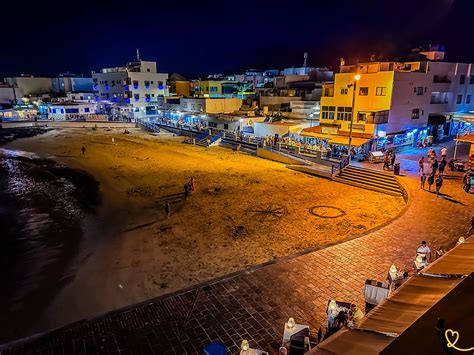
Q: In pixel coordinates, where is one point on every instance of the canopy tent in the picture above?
(404, 307)
(459, 262)
(352, 342)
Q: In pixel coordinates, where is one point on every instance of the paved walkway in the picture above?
(255, 304)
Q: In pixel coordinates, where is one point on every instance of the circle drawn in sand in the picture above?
(269, 212)
(327, 211)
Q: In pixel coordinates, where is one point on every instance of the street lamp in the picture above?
(356, 79)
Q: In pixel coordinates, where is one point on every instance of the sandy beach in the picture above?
(245, 211)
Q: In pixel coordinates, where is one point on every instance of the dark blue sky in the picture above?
(200, 37)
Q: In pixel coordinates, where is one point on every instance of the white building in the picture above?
(71, 110)
(134, 89)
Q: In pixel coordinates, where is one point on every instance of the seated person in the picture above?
(341, 320)
(355, 314)
(423, 250)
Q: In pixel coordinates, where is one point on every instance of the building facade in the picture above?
(400, 102)
(133, 89)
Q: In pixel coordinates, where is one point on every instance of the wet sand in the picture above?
(245, 211)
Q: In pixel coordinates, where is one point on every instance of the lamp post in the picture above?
(356, 79)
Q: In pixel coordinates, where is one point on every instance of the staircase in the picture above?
(209, 140)
(370, 179)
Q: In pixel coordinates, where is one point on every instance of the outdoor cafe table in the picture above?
(340, 306)
(287, 333)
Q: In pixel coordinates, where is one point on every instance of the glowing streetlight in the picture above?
(354, 85)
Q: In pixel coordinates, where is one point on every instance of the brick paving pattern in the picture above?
(255, 304)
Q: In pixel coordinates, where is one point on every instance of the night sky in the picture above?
(200, 37)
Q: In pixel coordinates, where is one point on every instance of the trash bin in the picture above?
(396, 168)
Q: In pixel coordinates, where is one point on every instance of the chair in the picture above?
(297, 342)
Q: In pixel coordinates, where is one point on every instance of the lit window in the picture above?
(327, 112)
(380, 91)
(344, 113)
(363, 91)
(415, 113)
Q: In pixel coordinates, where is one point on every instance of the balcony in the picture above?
(441, 79)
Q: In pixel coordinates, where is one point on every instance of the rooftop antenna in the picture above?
(305, 56)
(138, 54)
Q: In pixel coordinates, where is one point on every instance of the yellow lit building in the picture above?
(372, 102)
(182, 88)
(207, 88)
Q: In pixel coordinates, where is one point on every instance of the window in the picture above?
(136, 97)
(415, 113)
(213, 124)
(193, 106)
(160, 85)
(471, 79)
(226, 126)
(380, 91)
(86, 109)
(344, 91)
(147, 84)
(344, 113)
(148, 69)
(419, 90)
(327, 112)
(462, 79)
(438, 97)
(459, 99)
(468, 99)
(363, 91)
(328, 91)
(135, 84)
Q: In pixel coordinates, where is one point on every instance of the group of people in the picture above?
(435, 176)
(343, 319)
(389, 159)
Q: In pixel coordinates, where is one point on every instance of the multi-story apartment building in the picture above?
(133, 89)
(398, 103)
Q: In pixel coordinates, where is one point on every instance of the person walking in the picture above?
(444, 152)
(430, 181)
(167, 209)
(186, 191)
(442, 166)
(83, 151)
(421, 165)
(392, 159)
(466, 180)
(439, 183)
(423, 180)
(434, 167)
(386, 162)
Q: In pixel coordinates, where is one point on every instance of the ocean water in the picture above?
(42, 205)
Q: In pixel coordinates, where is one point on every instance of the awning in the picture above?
(468, 138)
(343, 140)
(317, 135)
(351, 341)
(459, 262)
(404, 307)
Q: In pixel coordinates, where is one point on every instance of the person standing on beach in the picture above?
(192, 183)
(113, 140)
(186, 191)
(167, 209)
(83, 151)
